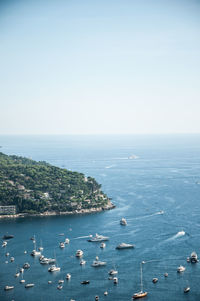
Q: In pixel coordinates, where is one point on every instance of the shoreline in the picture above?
(109, 206)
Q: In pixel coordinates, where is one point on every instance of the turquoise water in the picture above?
(164, 176)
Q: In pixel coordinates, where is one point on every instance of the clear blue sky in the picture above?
(96, 67)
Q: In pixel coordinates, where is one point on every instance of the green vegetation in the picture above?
(37, 187)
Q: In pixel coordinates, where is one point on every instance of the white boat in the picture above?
(105, 293)
(115, 280)
(123, 222)
(28, 285)
(53, 268)
(113, 272)
(102, 245)
(60, 281)
(186, 289)
(7, 254)
(12, 259)
(67, 240)
(82, 262)
(98, 263)
(123, 245)
(21, 270)
(79, 253)
(59, 287)
(22, 281)
(68, 276)
(154, 280)
(17, 274)
(62, 245)
(8, 287)
(35, 253)
(140, 294)
(180, 269)
(4, 244)
(26, 265)
(98, 238)
(193, 257)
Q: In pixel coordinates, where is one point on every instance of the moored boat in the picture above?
(186, 289)
(8, 287)
(123, 222)
(140, 294)
(123, 245)
(28, 285)
(180, 269)
(98, 238)
(193, 257)
(79, 253)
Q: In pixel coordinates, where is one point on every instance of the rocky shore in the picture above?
(109, 206)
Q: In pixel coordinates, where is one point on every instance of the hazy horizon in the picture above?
(99, 67)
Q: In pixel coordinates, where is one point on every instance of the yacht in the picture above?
(102, 245)
(140, 294)
(28, 285)
(98, 238)
(193, 257)
(98, 263)
(113, 272)
(21, 270)
(123, 222)
(79, 253)
(7, 254)
(8, 287)
(180, 269)
(123, 245)
(68, 276)
(53, 268)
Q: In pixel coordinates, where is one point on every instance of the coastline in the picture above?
(109, 206)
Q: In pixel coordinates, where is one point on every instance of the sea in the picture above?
(154, 181)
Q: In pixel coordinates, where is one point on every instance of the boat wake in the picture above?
(177, 235)
(83, 236)
(110, 166)
(147, 216)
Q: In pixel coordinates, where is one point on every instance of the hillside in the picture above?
(38, 187)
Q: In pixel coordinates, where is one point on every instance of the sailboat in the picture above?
(140, 294)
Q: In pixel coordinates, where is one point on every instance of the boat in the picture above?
(25, 252)
(105, 293)
(123, 222)
(4, 244)
(102, 245)
(193, 257)
(96, 298)
(115, 280)
(98, 238)
(186, 289)
(62, 245)
(60, 281)
(82, 262)
(68, 276)
(123, 245)
(49, 282)
(35, 253)
(67, 240)
(17, 274)
(26, 265)
(113, 272)
(98, 263)
(8, 287)
(28, 285)
(7, 254)
(22, 281)
(166, 274)
(85, 282)
(59, 287)
(21, 270)
(79, 253)
(7, 236)
(154, 280)
(12, 259)
(180, 269)
(140, 294)
(53, 268)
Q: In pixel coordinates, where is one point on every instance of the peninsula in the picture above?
(38, 188)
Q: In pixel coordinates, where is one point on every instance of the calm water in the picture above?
(165, 176)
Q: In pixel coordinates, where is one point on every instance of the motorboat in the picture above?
(53, 268)
(123, 222)
(21, 270)
(49, 282)
(166, 274)
(115, 280)
(85, 282)
(96, 298)
(59, 287)
(12, 259)
(68, 276)
(35, 253)
(60, 281)
(28, 285)
(140, 294)
(26, 265)
(113, 272)
(79, 253)
(180, 269)
(98, 263)
(62, 245)
(82, 262)
(22, 281)
(154, 280)
(193, 257)
(98, 238)
(102, 245)
(17, 274)
(4, 244)
(8, 287)
(67, 240)
(7, 254)
(123, 245)
(105, 293)
(186, 289)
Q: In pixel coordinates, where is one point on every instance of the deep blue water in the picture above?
(165, 176)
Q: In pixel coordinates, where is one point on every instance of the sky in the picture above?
(99, 66)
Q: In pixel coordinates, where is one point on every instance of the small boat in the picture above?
(193, 257)
(102, 245)
(82, 262)
(28, 285)
(7, 236)
(67, 240)
(140, 294)
(49, 282)
(8, 287)
(154, 280)
(12, 259)
(21, 270)
(26, 265)
(53, 268)
(96, 298)
(98, 263)
(25, 252)
(85, 282)
(166, 274)
(59, 287)
(40, 248)
(115, 280)
(123, 222)
(180, 269)
(105, 293)
(113, 272)
(79, 253)
(62, 245)
(4, 244)
(7, 254)
(60, 281)
(98, 238)
(123, 245)
(186, 289)
(68, 276)
(22, 281)
(17, 274)
(35, 253)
